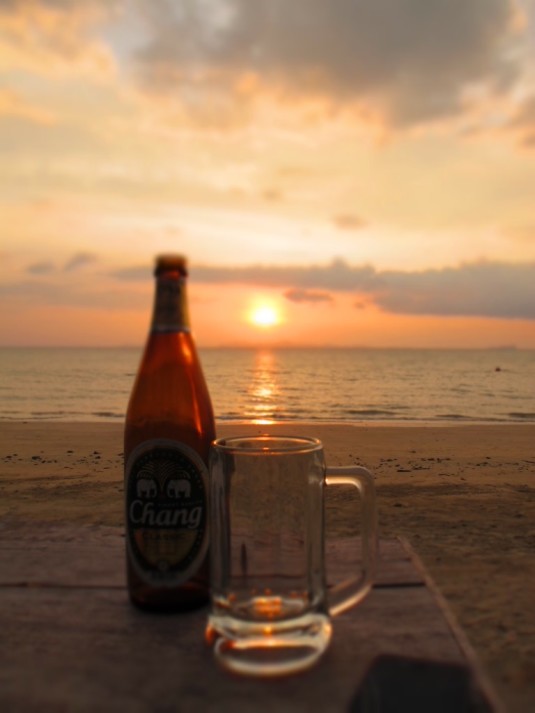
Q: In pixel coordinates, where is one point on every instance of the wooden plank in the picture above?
(72, 641)
(79, 649)
(85, 555)
(63, 555)
(468, 652)
(395, 566)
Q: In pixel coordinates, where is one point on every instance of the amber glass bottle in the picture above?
(168, 431)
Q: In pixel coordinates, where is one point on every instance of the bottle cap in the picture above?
(171, 263)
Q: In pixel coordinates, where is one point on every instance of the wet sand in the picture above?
(464, 496)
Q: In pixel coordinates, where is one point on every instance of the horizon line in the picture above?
(283, 347)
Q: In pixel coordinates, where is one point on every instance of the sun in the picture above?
(264, 316)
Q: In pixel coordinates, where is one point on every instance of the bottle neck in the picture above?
(170, 305)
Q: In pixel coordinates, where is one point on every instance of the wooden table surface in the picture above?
(70, 640)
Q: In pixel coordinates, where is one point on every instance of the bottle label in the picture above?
(170, 313)
(166, 513)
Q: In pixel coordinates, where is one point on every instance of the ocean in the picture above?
(352, 385)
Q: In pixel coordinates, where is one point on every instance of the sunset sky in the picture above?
(362, 170)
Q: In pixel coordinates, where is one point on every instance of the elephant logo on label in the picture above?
(178, 488)
(146, 488)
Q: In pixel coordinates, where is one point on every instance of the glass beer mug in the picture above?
(270, 608)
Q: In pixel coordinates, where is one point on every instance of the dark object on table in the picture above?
(396, 684)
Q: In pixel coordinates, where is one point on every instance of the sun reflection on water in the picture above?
(264, 389)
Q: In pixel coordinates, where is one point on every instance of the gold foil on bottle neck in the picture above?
(171, 263)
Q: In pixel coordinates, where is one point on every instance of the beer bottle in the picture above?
(168, 430)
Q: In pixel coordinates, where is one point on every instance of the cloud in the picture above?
(13, 104)
(338, 275)
(272, 195)
(523, 122)
(23, 136)
(348, 221)
(313, 296)
(51, 36)
(485, 289)
(481, 289)
(521, 233)
(79, 261)
(131, 274)
(76, 262)
(398, 63)
(85, 295)
(406, 61)
(41, 268)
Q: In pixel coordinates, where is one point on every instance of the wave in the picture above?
(108, 414)
(371, 413)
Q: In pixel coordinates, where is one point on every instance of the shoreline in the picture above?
(462, 494)
(402, 422)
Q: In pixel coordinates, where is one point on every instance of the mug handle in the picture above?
(350, 592)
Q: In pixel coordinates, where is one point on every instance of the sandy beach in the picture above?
(464, 496)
